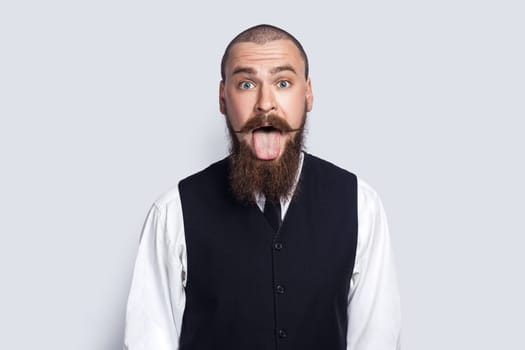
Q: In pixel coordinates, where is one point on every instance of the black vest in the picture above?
(251, 289)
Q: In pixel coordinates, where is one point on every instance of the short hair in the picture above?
(261, 34)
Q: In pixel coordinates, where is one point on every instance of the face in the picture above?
(265, 80)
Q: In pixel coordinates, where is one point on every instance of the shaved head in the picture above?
(261, 34)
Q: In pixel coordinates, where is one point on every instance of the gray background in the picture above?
(105, 105)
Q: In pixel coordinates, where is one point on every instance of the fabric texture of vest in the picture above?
(250, 288)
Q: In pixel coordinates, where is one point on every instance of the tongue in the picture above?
(267, 144)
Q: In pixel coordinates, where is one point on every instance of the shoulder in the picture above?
(327, 167)
(334, 180)
(168, 199)
(367, 196)
(370, 208)
(166, 216)
(166, 213)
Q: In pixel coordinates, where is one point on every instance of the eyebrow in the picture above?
(282, 69)
(246, 70)
(275, 70)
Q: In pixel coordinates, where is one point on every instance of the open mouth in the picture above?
(267, 129)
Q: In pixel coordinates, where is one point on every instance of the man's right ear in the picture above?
(222, 101)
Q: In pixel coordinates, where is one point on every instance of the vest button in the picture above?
(279, 288)
(282, 333)
(278, 245)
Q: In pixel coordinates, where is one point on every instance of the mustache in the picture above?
(266, 121)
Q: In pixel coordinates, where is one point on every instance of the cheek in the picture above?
(238, 110)
(294, 108)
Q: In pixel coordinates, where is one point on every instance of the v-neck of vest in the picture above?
(292, 202)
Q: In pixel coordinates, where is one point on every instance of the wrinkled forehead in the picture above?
(266, 56)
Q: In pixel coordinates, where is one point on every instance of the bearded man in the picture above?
(271, 247)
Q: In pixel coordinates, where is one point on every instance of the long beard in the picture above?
(273, 178)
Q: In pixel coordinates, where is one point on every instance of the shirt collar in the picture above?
(260, 199)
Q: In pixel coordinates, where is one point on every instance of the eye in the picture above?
(246, 85)
(283, 84)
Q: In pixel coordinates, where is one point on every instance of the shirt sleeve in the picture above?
(374, 310)
(156, 300)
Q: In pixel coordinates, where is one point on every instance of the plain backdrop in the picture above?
(105, 105)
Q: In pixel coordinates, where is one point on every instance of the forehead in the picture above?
(267, 55)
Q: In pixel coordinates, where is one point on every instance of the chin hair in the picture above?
(249, 175)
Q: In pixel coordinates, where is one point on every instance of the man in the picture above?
(271, 247)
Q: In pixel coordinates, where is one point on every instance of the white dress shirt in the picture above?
(157, 299)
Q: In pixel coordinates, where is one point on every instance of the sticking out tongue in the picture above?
(266, 143)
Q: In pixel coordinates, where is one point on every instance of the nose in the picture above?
(265, 101)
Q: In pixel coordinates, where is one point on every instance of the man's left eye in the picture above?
(283, 83)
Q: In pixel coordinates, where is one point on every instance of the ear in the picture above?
(222, 100)
(309, 95)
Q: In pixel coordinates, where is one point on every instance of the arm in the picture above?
(374, 311)
(156, 300)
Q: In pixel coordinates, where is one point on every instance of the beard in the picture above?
(275, 178)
